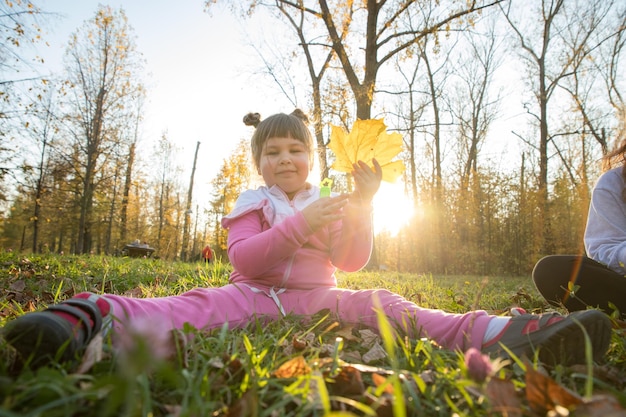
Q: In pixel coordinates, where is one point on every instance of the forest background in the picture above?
(490, 193)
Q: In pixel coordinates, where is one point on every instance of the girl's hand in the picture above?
(366, 181)
(325, 211)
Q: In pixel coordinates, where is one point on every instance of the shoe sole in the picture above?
(40, 338)
(564, 342)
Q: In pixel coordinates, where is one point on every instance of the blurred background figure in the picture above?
(207, 254)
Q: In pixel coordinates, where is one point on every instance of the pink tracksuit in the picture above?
(281, 266)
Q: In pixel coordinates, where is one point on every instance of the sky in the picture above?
(200, 77)
(198, 89)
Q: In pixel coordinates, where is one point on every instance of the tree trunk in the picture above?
(187, 219)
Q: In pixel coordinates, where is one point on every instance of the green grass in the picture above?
(292, 367)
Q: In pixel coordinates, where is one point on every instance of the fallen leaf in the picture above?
(347, 382)
(503, 398)
(93, 354)
(299, 344)
(346, 333)
(246, 406)
(136, 292)
(383, 404)
(374, 354)
(428, 377)
(327, 350)
(293, 368)
(544, 394)
(369, 337)
(18, 286)
(600, 406)
(351, 356)
(380, 380)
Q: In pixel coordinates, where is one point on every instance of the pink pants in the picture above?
(239, 304)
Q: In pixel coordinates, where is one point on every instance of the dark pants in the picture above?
(577, 282)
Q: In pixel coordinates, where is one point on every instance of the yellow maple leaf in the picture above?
(367, 140)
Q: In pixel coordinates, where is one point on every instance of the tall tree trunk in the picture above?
(109, 233)
(38, 195)
(126, 194)
(93, 150)
(187, 220)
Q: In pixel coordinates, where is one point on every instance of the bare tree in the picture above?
(475, 110)
(364, 36)
(317, 56)
(233, 178)
(410, 111)
(187, 222)
(19, 31)
(46, 133)
(102, 65)
(385, 35)
(167, 173)
(554, 39)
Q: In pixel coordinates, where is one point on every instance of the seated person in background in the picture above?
(597, 279)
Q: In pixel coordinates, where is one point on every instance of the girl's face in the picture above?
(285, 162)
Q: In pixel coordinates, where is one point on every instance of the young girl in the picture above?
(597, 279)
(285, 243)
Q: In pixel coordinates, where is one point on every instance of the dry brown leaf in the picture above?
(246, 406)
(608, 374)
(544, 394)
(347, 382)
(346, 333)
(600, 406)
(293, 368)
(136, 292)
(299, 344)
(351, 356)
(380, 380)
(327, 350)
(503, 398)
(17, 286)
(374, 354)
(383, 405)
(369, 337)
(428, 377)
(93, 354)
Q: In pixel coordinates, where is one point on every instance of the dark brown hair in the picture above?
(616, 158)
(279, 125)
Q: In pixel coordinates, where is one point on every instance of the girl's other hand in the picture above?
(325, 210)
(366, 181)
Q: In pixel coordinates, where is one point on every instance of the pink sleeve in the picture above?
(253, 249)
(354, 241)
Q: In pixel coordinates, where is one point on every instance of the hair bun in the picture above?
(252, 119)
(300, 115)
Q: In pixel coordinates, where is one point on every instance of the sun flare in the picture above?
(392, 208)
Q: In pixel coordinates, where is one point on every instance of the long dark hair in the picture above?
(616, 158)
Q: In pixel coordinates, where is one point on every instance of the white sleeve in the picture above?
(605, 233)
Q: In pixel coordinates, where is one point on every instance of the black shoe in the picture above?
(43, 337)
(558, 339)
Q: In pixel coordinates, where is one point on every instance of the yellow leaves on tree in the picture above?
(367, 140)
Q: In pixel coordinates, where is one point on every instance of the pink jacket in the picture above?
(271, 244)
